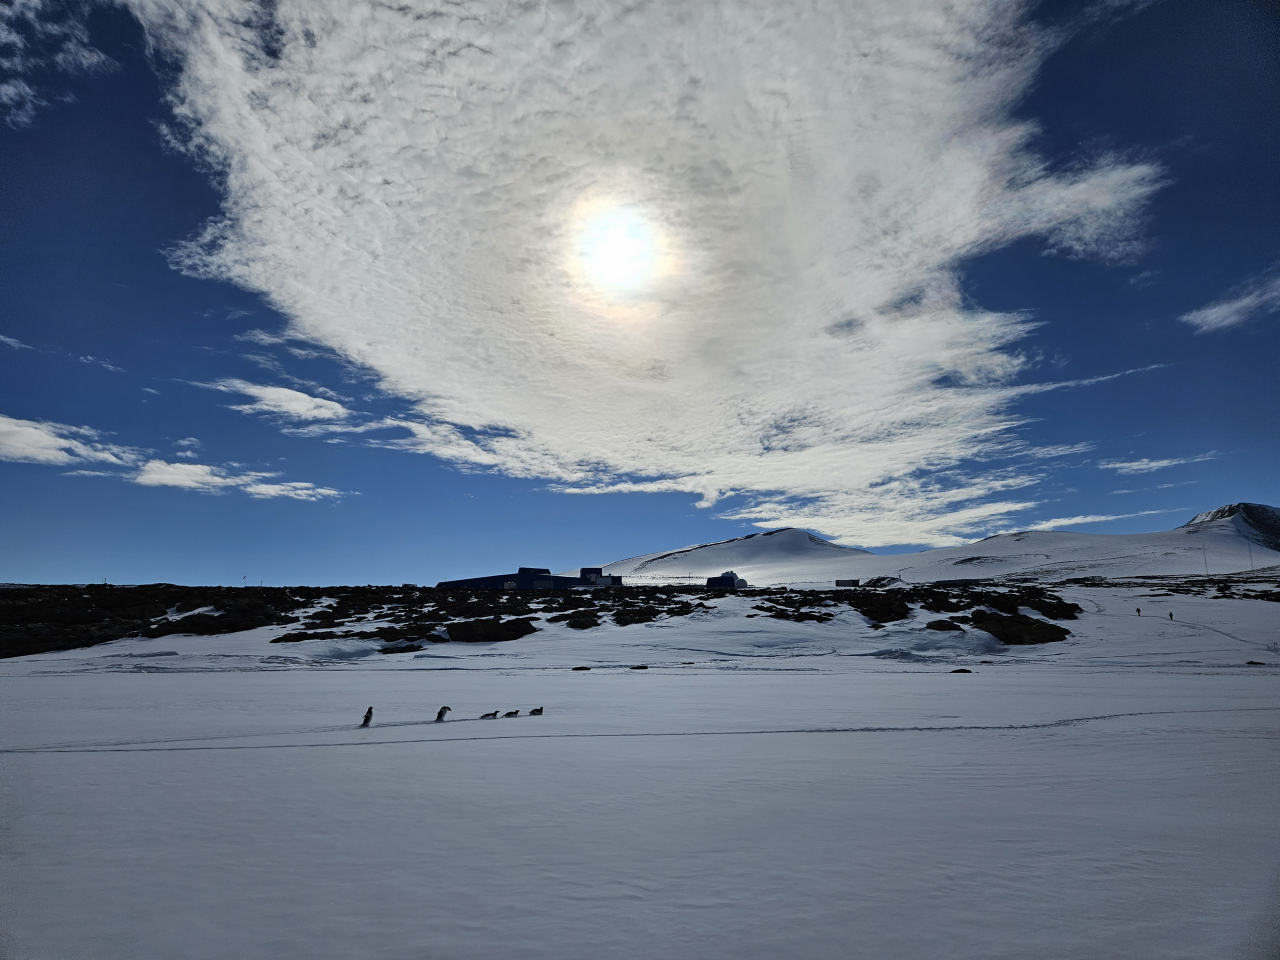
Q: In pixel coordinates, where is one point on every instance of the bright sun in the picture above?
(619, 249)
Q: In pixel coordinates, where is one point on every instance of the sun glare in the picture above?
(619, 250)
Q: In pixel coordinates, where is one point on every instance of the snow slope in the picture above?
(1230, 539)
(776, 556)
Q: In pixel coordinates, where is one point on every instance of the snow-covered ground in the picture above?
(764, 789)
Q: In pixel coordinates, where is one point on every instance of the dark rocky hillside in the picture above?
(35, 619)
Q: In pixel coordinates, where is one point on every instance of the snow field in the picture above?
(645, 815)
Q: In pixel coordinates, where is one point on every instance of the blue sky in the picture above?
(304, 293)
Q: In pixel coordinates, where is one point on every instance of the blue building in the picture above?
(727, 581)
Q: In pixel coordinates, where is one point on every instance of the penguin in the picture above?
(489, 716)
(535, 712)
(1170, 614)
(440, 715)
(1139, 611)
(511, 713)
(368, 715)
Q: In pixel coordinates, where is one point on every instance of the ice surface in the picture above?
(764, 789)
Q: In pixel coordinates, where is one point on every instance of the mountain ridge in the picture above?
(1228, 539)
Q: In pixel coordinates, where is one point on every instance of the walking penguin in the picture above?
(368, 715)
(440, 715)
(535, 712)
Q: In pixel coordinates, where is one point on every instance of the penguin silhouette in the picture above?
(489, 716)
(440, 715)
(512, 713)
(535, 712)
(368, 715)
(1170, 614)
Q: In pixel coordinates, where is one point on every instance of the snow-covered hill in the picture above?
(778, 556)
(1230, 539)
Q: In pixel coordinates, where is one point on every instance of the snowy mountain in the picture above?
(1232, 538)
(778, 556)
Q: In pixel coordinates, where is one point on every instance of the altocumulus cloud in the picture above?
(658, 245)
(57, 444)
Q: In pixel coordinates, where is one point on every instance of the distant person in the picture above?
(368, 715)
(440, 715)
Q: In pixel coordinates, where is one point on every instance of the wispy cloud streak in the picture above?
(57, 444)
(1256, 298)
(1098, 518)
(203, 478)
(39, 441)
(1145, 465)
(281, 402)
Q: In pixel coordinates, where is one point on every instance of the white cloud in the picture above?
(38, 441)
(204, 478)
(260, 337)
(16, 344)
(1257, 297)
(412, 185)
(188, 447)
(291, 490)
(191, 476)
(56, 444)
(1130, 467)
(1097, 518)
(102, 363)
(282, 402)
(41, 34)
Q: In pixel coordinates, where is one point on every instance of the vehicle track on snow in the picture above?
(142, 747)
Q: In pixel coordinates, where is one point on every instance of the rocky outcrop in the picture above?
(489, 631)
(1017, 629)
(1259, 522)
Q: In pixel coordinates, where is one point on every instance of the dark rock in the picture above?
(640, 666)
(882, 609)
(297, 636)
(402, 648)
(576, 620)
(943, 625)
(581, 668)
(1018, 629)
(624, 616)
(962, 670)
(489, 631)
(1254, 663)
